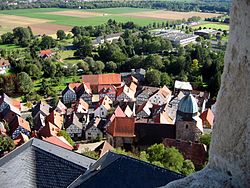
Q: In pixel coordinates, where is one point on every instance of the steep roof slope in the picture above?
(115, 170)
(41, 164)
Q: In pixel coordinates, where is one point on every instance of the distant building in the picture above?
(102, 108)
(18, 126)
(108, 38)
(92, 131)
(207, 119)
(45, 54)
(39, 112)
(185, 87)
(206, 32)
(177, 37)
(74, 127)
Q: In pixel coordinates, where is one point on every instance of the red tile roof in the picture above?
(196, 152)
(45, 52)
(122, 127)
(102, 79)
(74, 85)
(207, 116)
(106, 89)
(49, 130)
(19, 121)
(59, 141)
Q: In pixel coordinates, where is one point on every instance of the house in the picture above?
(160, 115)
(207, 119)
(148, 134)
(206, 32)
(61, 108)
(39, 112)
(127, 107)
(103, 148)
(202, 97)
(107, 90)
(84, 92)
(18, 126)
(55, 118)
(81, 109)
(125, 94)
(196, 152)
(74, 127)
(144, 93)
(116, 170)
(108, 38)
(46, 54)
(121, 132)
(20, 139)
(69, 94)
(188, 123)
(185, 87)
(139, 74)
(172, 106)
(39, 163)
(161, 96)
(59, 141)
(92, 132)
(6, 102)
(103, 107)
(10, 113)
(48, 130)
(144, 110)
(4, 64)
(101, 79)
(118, 112)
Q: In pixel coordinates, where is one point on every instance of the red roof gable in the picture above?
(207, 116)
(59, 141)
(122, 127)
(45, 52)
(106, 89)
(102, 79)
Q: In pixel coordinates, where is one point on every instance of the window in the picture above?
(186, 126)
(89, 133)
(102, 113)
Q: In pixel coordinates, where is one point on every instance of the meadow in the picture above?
(49, 20)
(212, 25)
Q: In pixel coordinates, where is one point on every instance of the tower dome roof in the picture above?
(188, 104)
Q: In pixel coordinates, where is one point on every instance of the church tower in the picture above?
(188, 123)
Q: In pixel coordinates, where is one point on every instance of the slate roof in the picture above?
(41, 164)
(116, 170)
(41, 107)
(188, 104)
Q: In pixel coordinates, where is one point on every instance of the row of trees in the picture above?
(203, 5)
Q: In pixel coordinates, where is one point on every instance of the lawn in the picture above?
(212, 26)
(10, 47)
(67, 57)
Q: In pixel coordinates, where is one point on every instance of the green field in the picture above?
(77, 21)
(213, 26)
(121, 10)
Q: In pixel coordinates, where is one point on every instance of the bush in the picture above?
(67, 137)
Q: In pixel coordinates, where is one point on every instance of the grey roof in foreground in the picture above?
(41, 164)
(115, 170)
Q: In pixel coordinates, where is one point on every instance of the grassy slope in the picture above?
(121, 10)
(212, 25)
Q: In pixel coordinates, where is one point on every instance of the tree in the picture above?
(60, 34)
(24, 82)
(166, 79)
(6, 144)
(84, 47)
(84, 66)
(91, 154)
(33, 71)
(111, 66)
(7, 38)
(206, 139)
(153, 61)
(22, 36)
(153, 77)
(187, 167)
(47, 42)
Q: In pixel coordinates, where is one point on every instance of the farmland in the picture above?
(48, 20)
